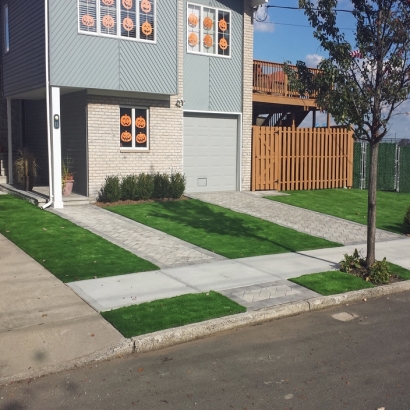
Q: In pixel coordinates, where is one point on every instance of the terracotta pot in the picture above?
(68, 187)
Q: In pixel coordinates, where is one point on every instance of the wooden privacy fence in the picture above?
(301, 158)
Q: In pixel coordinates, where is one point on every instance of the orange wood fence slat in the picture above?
(286, 158)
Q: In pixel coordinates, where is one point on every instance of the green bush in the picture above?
(161, 186)
(129, 187)
(379, 273)
(111, 190)
(177, 185)
(145, 186)
(406, 221)
(350, 262)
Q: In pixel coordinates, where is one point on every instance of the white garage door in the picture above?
(210, 152)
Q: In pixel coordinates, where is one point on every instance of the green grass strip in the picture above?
(68, 251)
(220, 230)
(332, 282)
(402, 273)
(168, 313)
(351, 204)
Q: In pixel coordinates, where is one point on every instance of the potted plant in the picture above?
(67, 176)
(26, 169)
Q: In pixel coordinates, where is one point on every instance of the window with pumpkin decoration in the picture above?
(130, 19)
(208, 30)
(133, 128)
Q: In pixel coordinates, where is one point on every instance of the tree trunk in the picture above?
(371, 206)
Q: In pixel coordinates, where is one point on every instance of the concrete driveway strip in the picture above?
(42, 322)
(302, 220)
(148, 243)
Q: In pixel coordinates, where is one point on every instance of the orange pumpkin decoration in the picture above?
(108, 21)
(193, 20)
(208, 41)
(108, 2)
(208, 23)
(146, 28)
(87, 20)
(223, 44)
(223, 25)
(140, 122)
(128, 24)
(146, 6)
(193, 40)
(125, 120)
(127, 4)
(141, 138)
(126, 136)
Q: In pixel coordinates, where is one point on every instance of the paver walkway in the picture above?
(302, 220)
(148, 243)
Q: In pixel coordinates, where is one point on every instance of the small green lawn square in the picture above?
(168, 313)
(220, 230)
(68, 251)
(331, 282)
(402, 273)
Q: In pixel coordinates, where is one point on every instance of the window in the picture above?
(209, 31)
(6, 29)
(127, 19)
(134, 128)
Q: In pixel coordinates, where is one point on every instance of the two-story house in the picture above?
(129, 86)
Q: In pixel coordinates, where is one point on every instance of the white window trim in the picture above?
(202, 33)
(118, 35)
(6, 28)
(133, 130)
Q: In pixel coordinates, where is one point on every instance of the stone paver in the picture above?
(269, 294)
(302, 220)
(157, 247)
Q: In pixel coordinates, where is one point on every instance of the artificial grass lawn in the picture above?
(69, 252)
(167, 313)
(333, 282)
(351, 204)
(220, 230)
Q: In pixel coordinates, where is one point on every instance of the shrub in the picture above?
(145, 186)
(177, 185)
(350, 262)
(406, 221)
(379, 273)
(111, 190)
(129, 187)
(161, 186)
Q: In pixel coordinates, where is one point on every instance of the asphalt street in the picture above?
(354, 356)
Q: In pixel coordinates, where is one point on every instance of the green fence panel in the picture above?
(357, 164)
(404, 175)
(386, 168)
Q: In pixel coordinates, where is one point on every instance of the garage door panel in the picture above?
(210, 152)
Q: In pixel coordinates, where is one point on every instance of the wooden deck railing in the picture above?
(270, 78)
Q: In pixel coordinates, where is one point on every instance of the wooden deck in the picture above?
(271, 86)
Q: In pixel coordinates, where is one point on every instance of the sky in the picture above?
(287, 36)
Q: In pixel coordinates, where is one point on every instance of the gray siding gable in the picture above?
(213, 83)
(85, 61)
(24, 65)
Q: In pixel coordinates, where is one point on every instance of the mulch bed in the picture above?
(130, 202)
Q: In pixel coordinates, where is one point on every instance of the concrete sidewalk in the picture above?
(255, 282)
(42, 322)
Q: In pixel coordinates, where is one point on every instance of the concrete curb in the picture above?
(172, 337)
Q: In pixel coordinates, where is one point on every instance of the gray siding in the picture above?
(24, 64)
(219, 80)
(74, 138)
(80, 60)
(35, 136)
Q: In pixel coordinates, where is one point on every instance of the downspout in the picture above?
(50, 167)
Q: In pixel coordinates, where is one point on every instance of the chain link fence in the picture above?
(393, 171)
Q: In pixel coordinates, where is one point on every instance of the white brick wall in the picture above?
(247, 97)
(165, 133)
